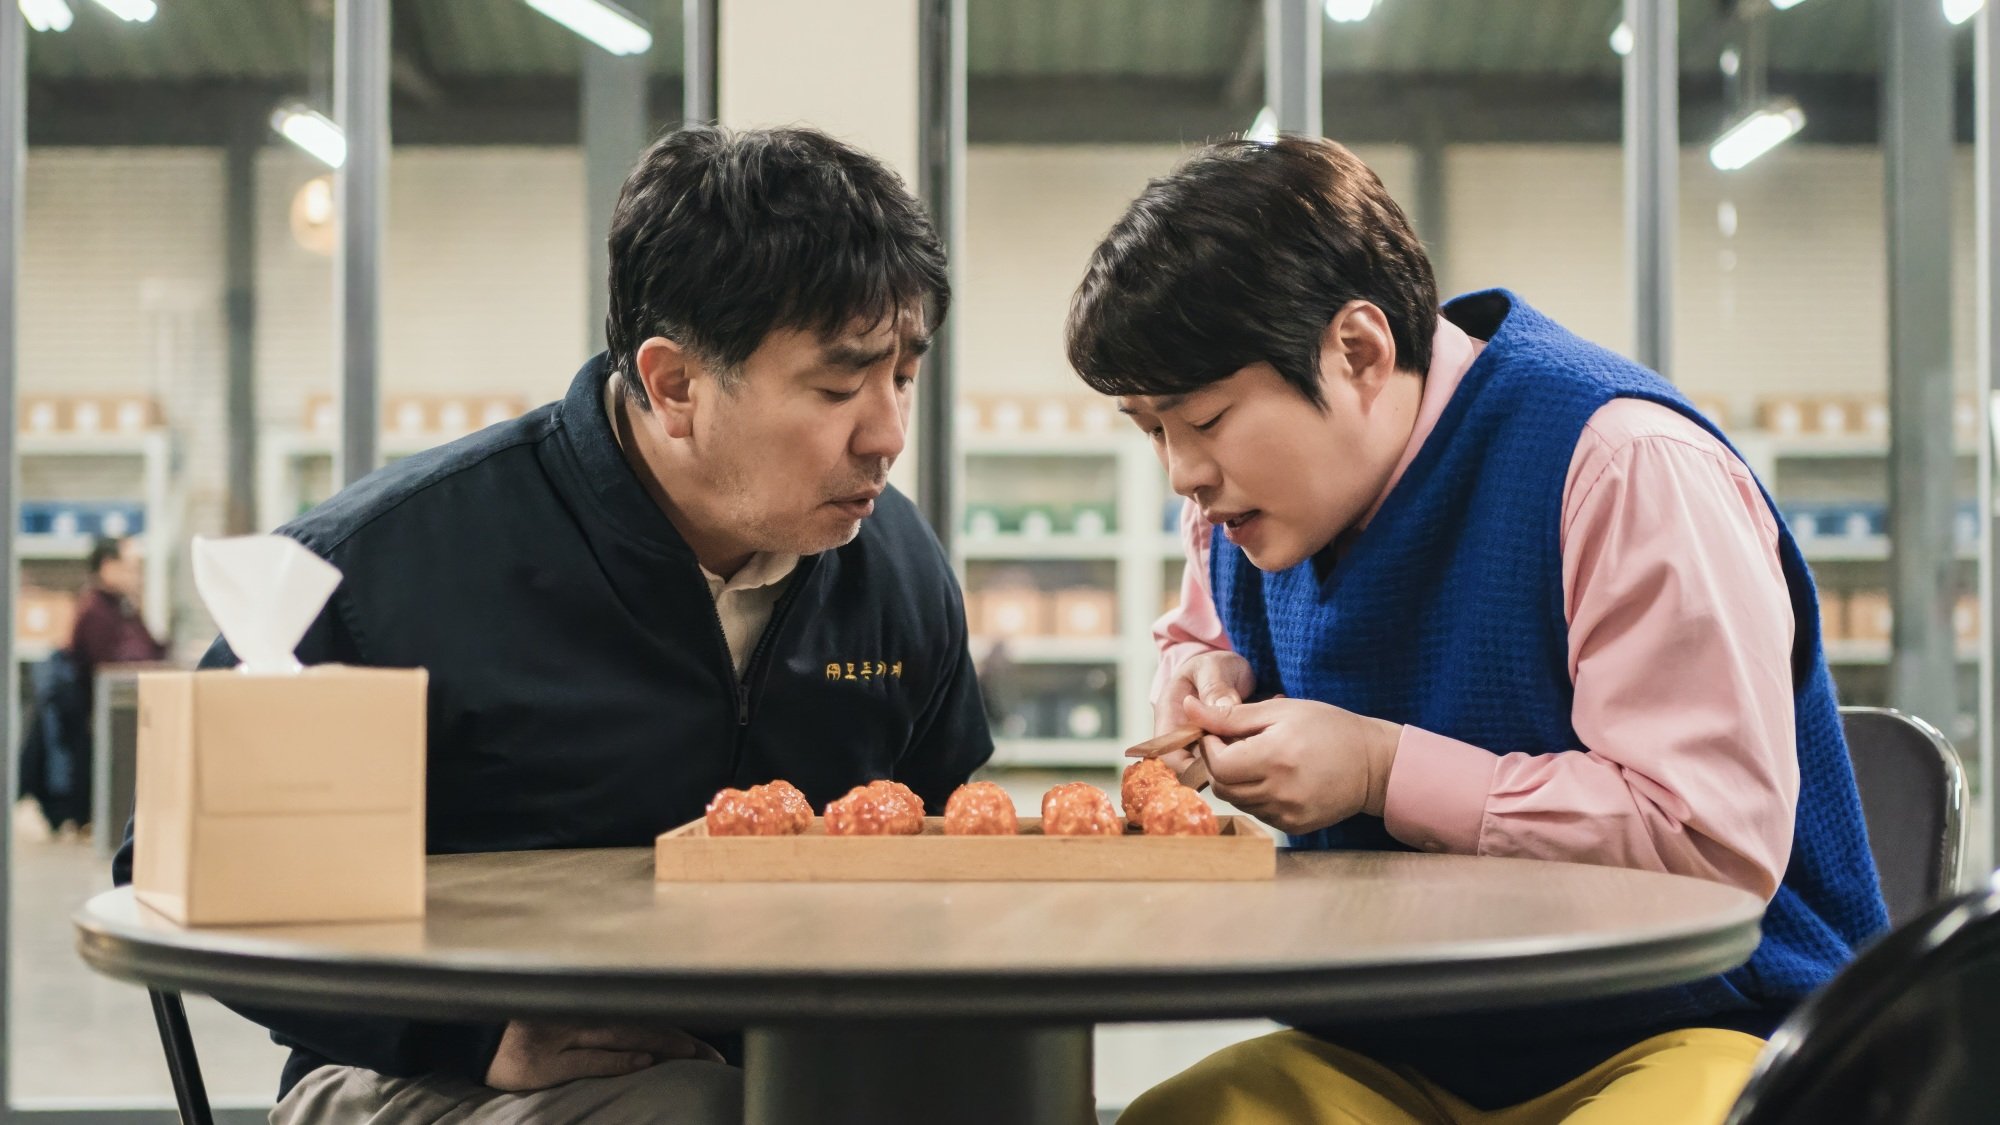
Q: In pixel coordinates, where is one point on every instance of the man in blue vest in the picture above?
(1466, 583)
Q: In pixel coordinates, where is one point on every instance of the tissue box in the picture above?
(281, 798)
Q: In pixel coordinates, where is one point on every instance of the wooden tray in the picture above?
(689, 854)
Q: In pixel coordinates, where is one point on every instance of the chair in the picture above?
(1913, 797)
(182, 1065)
(1907, 1033)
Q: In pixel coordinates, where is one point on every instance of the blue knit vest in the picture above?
(1447, 614)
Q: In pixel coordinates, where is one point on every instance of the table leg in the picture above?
(905, 1073)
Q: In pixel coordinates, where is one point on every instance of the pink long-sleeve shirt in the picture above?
(1680, 635)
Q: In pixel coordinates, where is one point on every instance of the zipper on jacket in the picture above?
(794, 582)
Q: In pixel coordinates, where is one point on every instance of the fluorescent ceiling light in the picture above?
(1781, 5)
(131, 11)
(1756, 135)
(1346, 11)
(1959, 11)
(312, 132)
(1621, 38)
(46, 15)
(1265, 128)
(605, 24)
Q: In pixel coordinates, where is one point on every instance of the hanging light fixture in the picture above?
(47, 15)
(1756, 134)
(605, 24)
(311, 131)
(1349, 11)
(1264, 128)
(131, 11)
(1622, 40)
(1959, 11)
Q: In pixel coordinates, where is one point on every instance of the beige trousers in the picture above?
(685, 1092)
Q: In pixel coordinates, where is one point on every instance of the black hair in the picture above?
(103, 549)
(719, 237)
(1244, 254)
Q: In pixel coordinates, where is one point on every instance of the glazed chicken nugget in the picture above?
(789, 799)
(1079, 808)
(1179, 811)
(980, 808)
(735, 812)
(874, 810)
(1143, 779)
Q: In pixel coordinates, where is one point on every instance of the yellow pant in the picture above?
(1290, 1078)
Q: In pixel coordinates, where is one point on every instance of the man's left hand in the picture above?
(1294, 764)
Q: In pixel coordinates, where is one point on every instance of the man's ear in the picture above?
(1359, 335)
(666, 372)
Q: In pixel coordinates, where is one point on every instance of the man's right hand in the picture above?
(536, 1056)
(1219, 678)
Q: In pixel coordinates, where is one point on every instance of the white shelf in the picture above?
(1060, 546)
(1104, 753)
(90, 445)
(1055, 650)
(1108, 443)
(1853, 653)
(1873, 548)
(31, 652)
(46, 546)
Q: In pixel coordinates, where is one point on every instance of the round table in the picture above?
(967, 1002)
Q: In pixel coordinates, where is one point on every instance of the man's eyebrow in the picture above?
(855, 355)
(859, 357)
(1164, 402)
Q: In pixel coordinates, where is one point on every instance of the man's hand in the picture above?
(536, 1056)
(1295, 764)
(1220, 678)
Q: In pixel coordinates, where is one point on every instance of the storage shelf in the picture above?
(1873, 548)
(1833, 446)
(1054, 650)
(90, 445)
(46, 546)
(1059, 546)
(1877, 652)
(1058, 752)
(1105, 444)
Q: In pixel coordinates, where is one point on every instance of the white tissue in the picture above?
(264, 592)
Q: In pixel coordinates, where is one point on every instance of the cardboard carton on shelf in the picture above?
(1870, 617)
(1085, 611)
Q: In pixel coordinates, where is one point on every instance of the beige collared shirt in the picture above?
(745, 600)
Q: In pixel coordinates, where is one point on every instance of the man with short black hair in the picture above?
(689, 573)
(1466, 583)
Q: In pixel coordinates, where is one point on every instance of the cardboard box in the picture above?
(1869, 616)
(1832, 616)
(1085, 612)
(281, 798)
(44, 618)
(1965, 619)
(1014, 612)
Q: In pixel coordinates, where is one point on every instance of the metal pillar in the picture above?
(1652, 175)
(1923, 564)
(1292, 64)
(698, 68)
(614, 134)
(1986, 146)
(13, 200)
(1430, 209)
(361, 193)
(941, 184)
(239, 224)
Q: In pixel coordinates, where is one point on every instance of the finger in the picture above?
(1236, 720)
(586, 1062)
(1234, 764)
(1212, 685)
